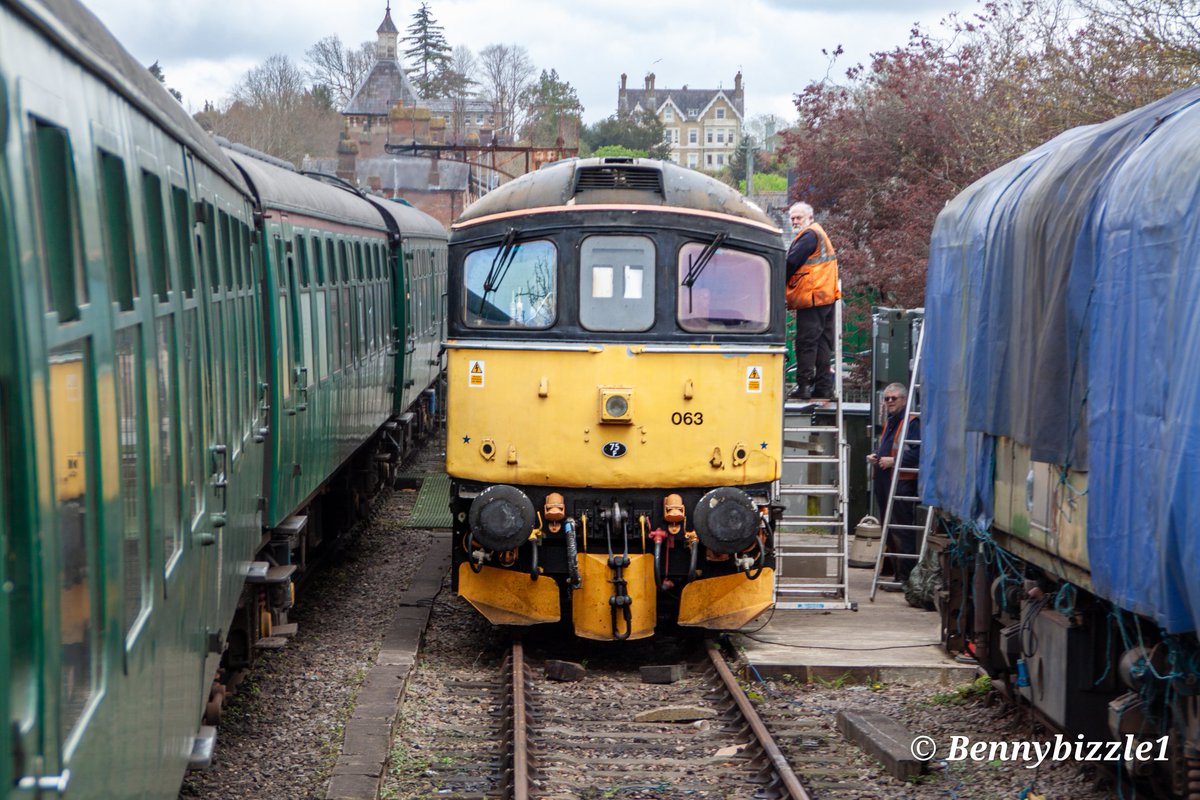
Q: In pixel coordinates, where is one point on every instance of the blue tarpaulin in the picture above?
(1061, 312)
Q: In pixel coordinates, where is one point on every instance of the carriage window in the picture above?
(118, 244)
(167, 469)
(210, 247)
(183, 225)
(130, 403)
(66, 286)
(318, 262)
(729, 294)
(226, 250)
(511, 287)
(70, 370)
(616, 283)
(156, 234)
(301, 248)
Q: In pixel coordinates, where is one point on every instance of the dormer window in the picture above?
(668, 115)
(720, 113)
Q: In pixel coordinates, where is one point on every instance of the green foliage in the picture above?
(554, 112)
(430, 52)
(643, 131)
(765, 182)
(837, 683)
(402, 761)
(155, 70)
(963, 694)
(617, 151)
(880, 152)
(322, 95)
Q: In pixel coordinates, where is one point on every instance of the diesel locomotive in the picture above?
(1061, 434)
(207, 362)
(615, 348)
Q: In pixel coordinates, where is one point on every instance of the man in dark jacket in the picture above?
(883, 458)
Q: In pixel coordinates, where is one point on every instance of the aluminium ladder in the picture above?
(812, 550)
(912, 410)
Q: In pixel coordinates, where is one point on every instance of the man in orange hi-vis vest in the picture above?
(812, 290)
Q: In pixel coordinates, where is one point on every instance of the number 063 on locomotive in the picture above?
(615, 375)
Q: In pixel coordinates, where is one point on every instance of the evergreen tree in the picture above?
(554, 111)
(429, 54)
(157, 72)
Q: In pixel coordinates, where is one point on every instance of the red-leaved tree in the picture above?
(879, 154)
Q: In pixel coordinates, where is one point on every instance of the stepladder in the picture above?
(906, 522)
(811, 537)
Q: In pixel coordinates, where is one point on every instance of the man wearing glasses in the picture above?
(883, 459)
(812, 289)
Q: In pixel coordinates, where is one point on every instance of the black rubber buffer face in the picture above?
(726, 520)
(501, 518)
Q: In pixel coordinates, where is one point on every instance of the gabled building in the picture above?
(388, 108)
(703, 126)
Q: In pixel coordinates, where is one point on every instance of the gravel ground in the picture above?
(280, 735)
(972, 710)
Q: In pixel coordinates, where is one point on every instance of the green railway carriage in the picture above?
(325, 252)
(177, 391)
(418, 283)
(125, 371)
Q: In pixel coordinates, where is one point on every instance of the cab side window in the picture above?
(727, 293)
(511, 286)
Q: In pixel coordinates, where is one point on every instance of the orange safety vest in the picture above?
(815, 283)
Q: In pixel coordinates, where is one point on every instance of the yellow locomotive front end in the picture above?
(615, 394)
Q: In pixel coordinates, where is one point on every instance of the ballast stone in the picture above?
(565, 671)
(663, 673)
(675, 714)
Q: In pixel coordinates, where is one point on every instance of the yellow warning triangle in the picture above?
(753, 374)
(476, 368)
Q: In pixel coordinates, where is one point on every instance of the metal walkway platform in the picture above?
(432, 509)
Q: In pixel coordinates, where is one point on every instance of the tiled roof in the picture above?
(386, 86)
(691, 102)
(387, 26)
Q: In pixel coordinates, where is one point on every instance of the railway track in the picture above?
(506, 730)
(613, 735)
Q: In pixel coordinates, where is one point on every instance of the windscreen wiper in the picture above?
(697, 266)
(500, 264)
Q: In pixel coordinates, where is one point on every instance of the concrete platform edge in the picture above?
(367, 737)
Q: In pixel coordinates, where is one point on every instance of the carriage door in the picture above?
(282, 369)
(299, 332)
(409, 266)
(399, 332)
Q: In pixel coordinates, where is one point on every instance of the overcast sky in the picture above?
(205, 46)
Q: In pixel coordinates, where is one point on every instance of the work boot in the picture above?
(801, 392)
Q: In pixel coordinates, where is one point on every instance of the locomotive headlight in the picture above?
(615, 405)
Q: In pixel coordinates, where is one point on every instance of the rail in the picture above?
(783, 770)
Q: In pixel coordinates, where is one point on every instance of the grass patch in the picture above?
(833, 683)
(970, 692)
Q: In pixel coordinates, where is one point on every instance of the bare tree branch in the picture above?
(341, 69)
(507, 74)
